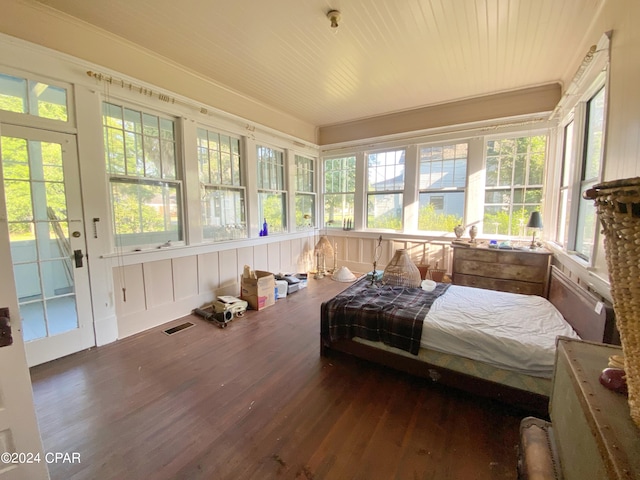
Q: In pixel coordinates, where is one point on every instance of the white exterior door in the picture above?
(18, 425)
(47, 238)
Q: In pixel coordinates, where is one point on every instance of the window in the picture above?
(385, 186)
(271, 189)
(305, 193)
(21, 95)
(339, 188)
(564, 203)
(140, 150)
(443, 177)
(590, 173)
(513, 183)
(223, 196)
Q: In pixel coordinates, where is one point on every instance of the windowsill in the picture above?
(148, 254)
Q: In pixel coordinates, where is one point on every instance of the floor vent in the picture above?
(178, 328)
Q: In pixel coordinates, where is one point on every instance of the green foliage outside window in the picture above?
(429, 219)
(18, 186)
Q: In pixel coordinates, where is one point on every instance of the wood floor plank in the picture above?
(257, 401)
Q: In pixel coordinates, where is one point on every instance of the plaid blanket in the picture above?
(392, 315)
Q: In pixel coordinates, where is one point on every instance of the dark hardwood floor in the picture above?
(256, 401)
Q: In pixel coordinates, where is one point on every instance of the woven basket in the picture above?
(618, 207)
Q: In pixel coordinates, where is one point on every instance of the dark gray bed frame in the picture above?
(578, 306)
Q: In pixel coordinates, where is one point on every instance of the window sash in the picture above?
(305, 210)
(385, 210)
(219, 158)
(305, 174)
(146, 211)
(223, 213)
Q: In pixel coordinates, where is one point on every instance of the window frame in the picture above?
(444, 190)
(129, 179)
(299, 191)
(348, 166)
(579, 163)
(30, 120)
(275, 171)
(239, 230)
(401, 159)
(512, 187)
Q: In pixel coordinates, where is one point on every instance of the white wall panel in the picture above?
(158, 281)
(261, 257)
(208, 274)
(274, 256)
(230, 270)
(133, 299)
(245, 257)
(185, 277)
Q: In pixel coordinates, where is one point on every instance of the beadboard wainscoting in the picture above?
(150, 292)
(356, 250)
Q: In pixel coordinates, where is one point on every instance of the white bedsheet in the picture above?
(506, 330)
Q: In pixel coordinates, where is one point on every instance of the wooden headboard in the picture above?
(580, 308)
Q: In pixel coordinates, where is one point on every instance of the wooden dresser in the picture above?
(516, 271)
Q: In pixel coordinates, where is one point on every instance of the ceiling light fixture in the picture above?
(334, 16)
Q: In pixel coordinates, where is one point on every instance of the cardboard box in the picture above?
(259, 292)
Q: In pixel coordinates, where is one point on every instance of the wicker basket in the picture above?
(618, 207)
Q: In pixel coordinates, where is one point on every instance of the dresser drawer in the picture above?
(513, 286)
(505, 271)
(513, 257)
(516, 271)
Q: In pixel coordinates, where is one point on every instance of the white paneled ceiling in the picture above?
(386, 55)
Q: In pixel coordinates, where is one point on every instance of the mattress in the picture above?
(506, 331)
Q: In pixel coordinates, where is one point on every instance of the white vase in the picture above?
(473, 233)
(459, 231)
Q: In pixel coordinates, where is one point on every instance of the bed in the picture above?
(494, 344)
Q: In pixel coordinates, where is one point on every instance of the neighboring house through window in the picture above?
(442, 181)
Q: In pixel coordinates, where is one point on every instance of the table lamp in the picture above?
(535, 222)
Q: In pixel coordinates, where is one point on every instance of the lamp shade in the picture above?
(324, 246)
(535, 220)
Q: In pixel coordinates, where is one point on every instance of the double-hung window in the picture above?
(305, 195)
(223, 195)
(272, 195)
(339, 191)
(141, 159)
(442, 182)
(514, 176)
(385, 187)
